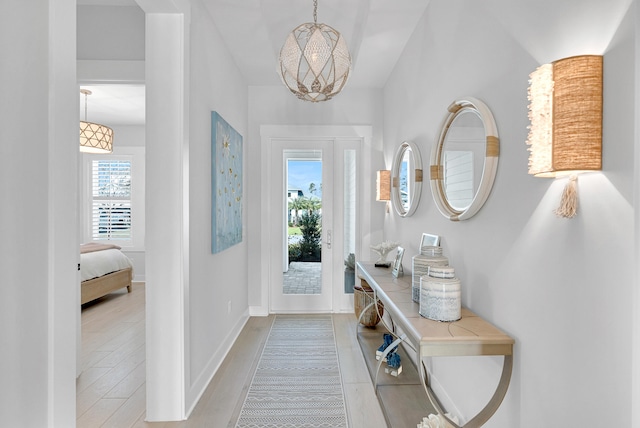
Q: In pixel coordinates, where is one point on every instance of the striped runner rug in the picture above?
(297, 381)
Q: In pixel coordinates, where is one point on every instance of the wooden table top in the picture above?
(471, 335)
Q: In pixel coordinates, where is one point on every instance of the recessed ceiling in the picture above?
(376, 32)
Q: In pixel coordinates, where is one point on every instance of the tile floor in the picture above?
(302, 278)
(111, 391)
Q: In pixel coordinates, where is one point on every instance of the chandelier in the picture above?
(314, 61)
(94, 138)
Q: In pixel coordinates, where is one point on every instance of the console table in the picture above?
(469, 336)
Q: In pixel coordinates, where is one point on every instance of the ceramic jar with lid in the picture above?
(429, 256)
(440, 294)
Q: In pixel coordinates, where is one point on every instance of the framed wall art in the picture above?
(226, 185)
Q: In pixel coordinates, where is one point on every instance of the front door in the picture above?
(301, 244)
(308, 245)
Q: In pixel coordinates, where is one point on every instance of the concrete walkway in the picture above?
(302, 278)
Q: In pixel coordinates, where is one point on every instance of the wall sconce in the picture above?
(565, 114)
(383, 187)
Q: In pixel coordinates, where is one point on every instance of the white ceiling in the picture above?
(113, 104)
(376, 32)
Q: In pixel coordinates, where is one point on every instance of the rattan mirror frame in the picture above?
(415, 174)
(492, 153)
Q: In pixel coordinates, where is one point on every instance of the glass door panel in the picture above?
(302, 272)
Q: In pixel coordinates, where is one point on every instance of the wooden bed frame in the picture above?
(97, 287)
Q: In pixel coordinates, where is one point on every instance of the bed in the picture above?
(103, 269)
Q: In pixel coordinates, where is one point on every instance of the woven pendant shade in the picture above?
(94, 138)
(565, 111)
(314, 61)
(383, 185)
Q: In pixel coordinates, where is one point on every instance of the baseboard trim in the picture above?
(258, 311)
(201, 383)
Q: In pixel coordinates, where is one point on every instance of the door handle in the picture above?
(329, 239)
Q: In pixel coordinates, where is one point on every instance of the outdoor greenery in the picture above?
(305, 216)
(300, 205)
(294, 230)
(350, 262)
(309, 248)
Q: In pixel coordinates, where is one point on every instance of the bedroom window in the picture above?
(111, 200)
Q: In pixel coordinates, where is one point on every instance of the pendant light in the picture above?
(94, 138)
(314, 62)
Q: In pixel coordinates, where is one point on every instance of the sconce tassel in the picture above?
(569, 202)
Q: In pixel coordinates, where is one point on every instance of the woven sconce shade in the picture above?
(565, 112)
(565, 134)
(383, 185)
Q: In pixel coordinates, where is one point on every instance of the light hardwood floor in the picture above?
(111, 388)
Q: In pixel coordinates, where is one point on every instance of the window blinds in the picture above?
(111, 200)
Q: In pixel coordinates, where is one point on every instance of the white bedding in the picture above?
(98, 263)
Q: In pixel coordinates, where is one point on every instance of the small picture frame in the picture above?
(397, 264)
(429, 240)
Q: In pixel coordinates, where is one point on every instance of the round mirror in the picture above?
(406, 179)
(464, 162)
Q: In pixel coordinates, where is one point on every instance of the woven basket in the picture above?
(362, 298)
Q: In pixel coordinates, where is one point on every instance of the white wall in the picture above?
(110, 33)
(562, 288)
(131, 142)
(39, 296)
(129, 136)
(215, 280)
(209, 282)
(635, 298)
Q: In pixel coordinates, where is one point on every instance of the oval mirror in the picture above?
(406, 179)
(465, 160)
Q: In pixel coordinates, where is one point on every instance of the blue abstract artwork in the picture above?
(226, 185)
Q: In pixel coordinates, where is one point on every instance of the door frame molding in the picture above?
(269, 133)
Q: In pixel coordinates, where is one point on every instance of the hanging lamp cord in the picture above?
(85, 92)
(315, 11)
